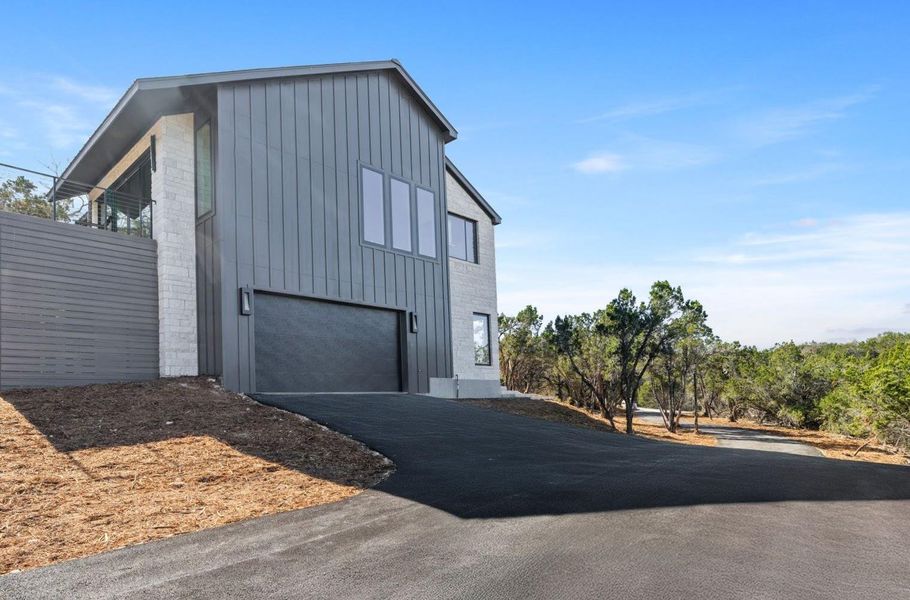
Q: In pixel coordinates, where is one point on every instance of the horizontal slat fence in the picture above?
(77, 305)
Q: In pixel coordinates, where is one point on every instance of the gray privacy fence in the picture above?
(77, 305)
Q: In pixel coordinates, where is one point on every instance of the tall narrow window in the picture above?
(481, 339)
(373, 207)
(462, 238)
(426, 223)
(204, 185)
(401, 215)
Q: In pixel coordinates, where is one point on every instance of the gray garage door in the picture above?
(313, 346)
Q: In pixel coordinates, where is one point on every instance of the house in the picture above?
(312, 235)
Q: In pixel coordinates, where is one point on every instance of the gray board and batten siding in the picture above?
(288, 157)
(77, 305)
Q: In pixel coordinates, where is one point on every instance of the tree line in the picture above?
(661, 351)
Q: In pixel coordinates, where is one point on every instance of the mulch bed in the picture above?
(551, 410)
(88, 469)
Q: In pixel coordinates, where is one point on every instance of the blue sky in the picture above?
(755, 155)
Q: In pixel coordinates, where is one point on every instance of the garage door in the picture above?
(307, 345)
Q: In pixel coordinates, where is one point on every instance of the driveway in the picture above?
(490, 505)
(737, 437)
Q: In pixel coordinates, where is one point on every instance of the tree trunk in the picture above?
(630, 402)
(695, 397)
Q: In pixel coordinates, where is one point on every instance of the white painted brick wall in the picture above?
(174, 227)
(472, 288)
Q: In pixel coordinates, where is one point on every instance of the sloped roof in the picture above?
(151, 97)
(472, 191)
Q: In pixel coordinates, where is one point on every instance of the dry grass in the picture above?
(832, 445)
(83, 470)
(551, 410)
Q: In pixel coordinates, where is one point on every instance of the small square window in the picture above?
(462, 238)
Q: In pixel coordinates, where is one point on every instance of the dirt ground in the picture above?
(88, 469)
(831, 445)
(551, 410)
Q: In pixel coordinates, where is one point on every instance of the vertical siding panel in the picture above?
(260, 184)
(226, 213)
(243, 231)
(412, 338)
(404, 114)
(369, 290)
(414, 118)
(379, 276)
(395, 128)
(317, 187)
(363, 117)
(304, 194)
(275, 184)
(390, 279)
(289, 188)
(385, 133)
(423, 322)
(375, 127)
(353, 151)
(342, 167)
(330, 181)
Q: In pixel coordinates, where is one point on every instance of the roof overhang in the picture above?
(149, 98)
(472, 191)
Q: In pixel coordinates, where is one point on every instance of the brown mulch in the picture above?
(552, 410)
(88, 469)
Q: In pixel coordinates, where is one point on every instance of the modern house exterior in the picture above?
(312, 235)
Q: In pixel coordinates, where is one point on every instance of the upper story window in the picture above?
(393, 213)
(205, 189)
(426, 222)
(401, 214)
(373, 207)
(462, 238)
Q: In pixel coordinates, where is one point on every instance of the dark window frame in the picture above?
(412, 213)
(386, 209)
(413, 187)
(435, 205)
(211, 211)
(489, 346)
(474, 242)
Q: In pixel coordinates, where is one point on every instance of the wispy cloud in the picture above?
(659, 106)
(810, 173)
(601, 162)
(86, 92)
(842, 279)
(644, 153)
(787, 123)
(53, 115)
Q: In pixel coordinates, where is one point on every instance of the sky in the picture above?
(754, 153)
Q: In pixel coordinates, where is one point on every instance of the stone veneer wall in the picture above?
(472, 288)
(174, 229)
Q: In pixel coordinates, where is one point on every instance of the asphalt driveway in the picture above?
(490, 505)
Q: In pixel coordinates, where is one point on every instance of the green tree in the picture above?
(19, 196)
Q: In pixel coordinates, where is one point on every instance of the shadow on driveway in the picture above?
(477, 463)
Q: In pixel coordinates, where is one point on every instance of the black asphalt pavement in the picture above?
(490, 505)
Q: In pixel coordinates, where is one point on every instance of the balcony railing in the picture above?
(47, 196)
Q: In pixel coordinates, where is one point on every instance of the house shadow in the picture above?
(468, 461)
(124, 415)
(477, 463)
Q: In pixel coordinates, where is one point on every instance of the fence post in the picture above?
(54, 198)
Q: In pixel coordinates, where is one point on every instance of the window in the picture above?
(373, 207)
(426, 223)
(401, 215)
(482, 339)
(204, 187)
(462, 238)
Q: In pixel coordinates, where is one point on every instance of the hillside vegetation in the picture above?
(662, 352)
